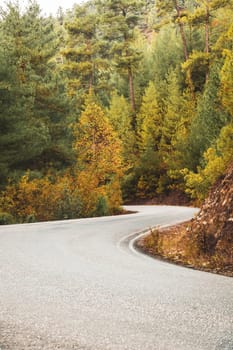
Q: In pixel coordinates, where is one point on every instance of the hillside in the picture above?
(110, 103)
(206, 242)
(213, 227)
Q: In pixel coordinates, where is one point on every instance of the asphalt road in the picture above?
(78, 284)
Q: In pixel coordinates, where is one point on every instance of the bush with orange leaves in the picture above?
(73, 195)
(47, 198)
(91, 188)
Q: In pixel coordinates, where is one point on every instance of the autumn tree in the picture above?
(119, 114)
(226, 74)
(98, 151)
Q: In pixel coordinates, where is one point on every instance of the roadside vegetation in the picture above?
(205, 242)
(112, 102)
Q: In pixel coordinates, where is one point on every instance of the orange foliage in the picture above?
(58, 197)
(35, 199)
(92, 188)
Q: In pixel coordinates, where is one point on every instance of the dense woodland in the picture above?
(113, 100)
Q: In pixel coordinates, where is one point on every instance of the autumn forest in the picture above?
(112, 101)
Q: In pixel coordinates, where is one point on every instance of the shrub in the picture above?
(102, 208)
(6, 218)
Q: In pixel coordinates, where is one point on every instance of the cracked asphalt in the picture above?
(77, 284)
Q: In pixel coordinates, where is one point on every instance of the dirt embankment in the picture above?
(206, 242)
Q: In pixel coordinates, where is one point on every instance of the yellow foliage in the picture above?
(42, 199)
(114, 195)
(88, 190)
(217, 160)
(97, 146)
(226, 90)
(92, 188)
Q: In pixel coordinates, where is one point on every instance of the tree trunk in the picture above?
(185, 49)
(131, 89)
(182, 33)
(207, 43)
(207, 29)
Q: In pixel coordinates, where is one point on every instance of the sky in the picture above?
(51, 6)
(48, 6)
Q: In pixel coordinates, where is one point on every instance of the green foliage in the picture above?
(120, 117)
(226, 89)
(101, 207)
(149, 120)
(162, 74)
(6, 219)
(165, 54)
(149, 133)
(217, 160)
(70, 204)
(209, 120)
(149, 172)
(118, 24)
(196, 68)
(85, 54)
(32, 110)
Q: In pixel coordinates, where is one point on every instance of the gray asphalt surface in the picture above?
(77, 285)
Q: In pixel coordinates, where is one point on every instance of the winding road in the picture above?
(79, 284)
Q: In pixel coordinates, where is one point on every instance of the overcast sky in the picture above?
(51, 6)
(48, 6)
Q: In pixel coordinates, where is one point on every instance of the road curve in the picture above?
(76, 285)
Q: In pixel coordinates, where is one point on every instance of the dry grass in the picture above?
(177, 244)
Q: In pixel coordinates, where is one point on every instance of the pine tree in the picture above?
(149, 122)
(29, 44)
(119, 114)
(23, 137)
(172, 115)
(226, 74)
(198, 64)
(208, 121)
(84, 54)
(176, 10)
(119, 20)
(165, 54)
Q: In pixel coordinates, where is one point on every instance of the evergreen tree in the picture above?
(226, 74)
(197, 66)
(149, 122)
(176, 10)
(165, 55)
(29, 45)
(23, 136)
(172, 115)
(119, 20)
(119, 114)
(50, 103)
(84, 54)
(209, 120)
